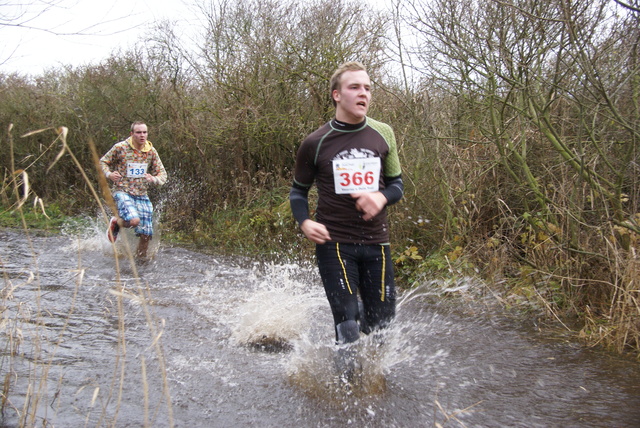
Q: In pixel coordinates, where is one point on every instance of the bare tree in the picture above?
(633, 5)
(28, 16)
(545, 98)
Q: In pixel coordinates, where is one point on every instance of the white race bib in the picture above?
(135, 169)
(356, 175)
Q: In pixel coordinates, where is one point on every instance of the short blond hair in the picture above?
(336, 79)
(136, 123)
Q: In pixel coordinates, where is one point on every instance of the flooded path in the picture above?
(195, 340)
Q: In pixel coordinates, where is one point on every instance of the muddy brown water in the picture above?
(196, 340)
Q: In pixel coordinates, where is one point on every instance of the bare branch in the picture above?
(628, 6)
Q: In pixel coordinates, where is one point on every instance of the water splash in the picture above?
(91, 237)
(271, 319)
(437, 364)
(311, 367)
(279, 310)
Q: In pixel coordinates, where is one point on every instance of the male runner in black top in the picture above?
(354, 162)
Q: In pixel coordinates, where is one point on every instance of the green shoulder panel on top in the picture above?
(392, 162)
(315, 159)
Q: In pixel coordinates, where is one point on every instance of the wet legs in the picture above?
(143, 246)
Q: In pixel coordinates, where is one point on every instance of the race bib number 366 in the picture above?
(136, 169)
(356, 175)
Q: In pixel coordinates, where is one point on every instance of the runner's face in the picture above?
(139, 135)
(353, 97)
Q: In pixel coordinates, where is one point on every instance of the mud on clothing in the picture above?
(358, 258)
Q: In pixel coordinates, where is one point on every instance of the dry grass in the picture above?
(24, 332)
(615, 323)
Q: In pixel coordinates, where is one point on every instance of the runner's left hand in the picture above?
(369, 204)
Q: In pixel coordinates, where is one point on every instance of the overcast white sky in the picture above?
(104, 25)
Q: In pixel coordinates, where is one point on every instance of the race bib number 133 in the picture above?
(356, 175)
(135, 169)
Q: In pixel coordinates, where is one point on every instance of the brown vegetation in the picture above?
(518, 125)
